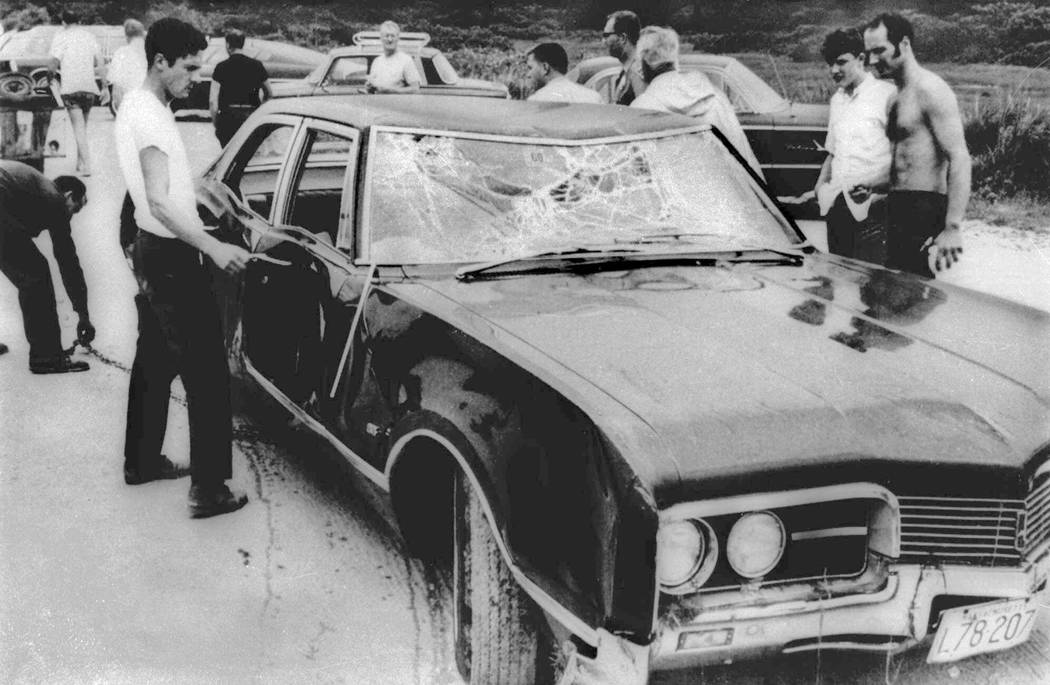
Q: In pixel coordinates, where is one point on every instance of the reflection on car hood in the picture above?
(731, 370)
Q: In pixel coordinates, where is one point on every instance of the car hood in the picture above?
(733, 370)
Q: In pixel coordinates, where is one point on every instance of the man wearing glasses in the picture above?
(621, 36)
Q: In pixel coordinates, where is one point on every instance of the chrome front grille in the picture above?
(1037, 523)
(982, 532)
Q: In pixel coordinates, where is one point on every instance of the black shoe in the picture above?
(3, 348)
(60, 364)
(165, 470)
(205, 502)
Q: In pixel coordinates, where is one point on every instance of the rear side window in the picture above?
(348, 70)
(254, 172)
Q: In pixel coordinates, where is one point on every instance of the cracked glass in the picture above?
(442, 199)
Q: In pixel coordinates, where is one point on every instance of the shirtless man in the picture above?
(930, 173)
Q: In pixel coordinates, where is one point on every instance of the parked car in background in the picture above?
(345, 69)
(29, 52)
(787, 137)
(283, 62)
(600, 373)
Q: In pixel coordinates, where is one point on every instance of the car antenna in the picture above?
(776, 72)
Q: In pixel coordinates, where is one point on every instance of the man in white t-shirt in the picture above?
(76, 54)
(180, 329)
(859, 152)
(547, 64)
(127, 69)
(393, 71)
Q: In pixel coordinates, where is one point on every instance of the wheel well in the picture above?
(421, 487)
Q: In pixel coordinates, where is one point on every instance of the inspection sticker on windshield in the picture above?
(981, 628)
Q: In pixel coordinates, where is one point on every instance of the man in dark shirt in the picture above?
(235, 86)
(29, 204)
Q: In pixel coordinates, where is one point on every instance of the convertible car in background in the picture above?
(346, 68)
(604, 378)
(787, 137)
(283, 62)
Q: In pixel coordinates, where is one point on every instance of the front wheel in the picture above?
(496, 636)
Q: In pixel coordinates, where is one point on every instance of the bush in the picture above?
(1009, 143)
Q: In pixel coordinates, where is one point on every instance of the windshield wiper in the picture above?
(467, 273)
(579, 258)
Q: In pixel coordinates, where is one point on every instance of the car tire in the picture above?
(496, 628)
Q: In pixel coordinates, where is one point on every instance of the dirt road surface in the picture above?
(105, 583)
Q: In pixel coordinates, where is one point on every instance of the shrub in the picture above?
(1009, 142)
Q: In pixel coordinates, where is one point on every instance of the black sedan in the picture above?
(787, 137)
(603, 378)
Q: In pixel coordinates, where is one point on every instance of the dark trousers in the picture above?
(915, 216)
(27, 268)
(864, 240)
(228, 122)
(180, 334)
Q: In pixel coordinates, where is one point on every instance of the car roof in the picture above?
(554, 120)
(375, 50)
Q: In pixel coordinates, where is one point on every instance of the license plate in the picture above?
(981, 628)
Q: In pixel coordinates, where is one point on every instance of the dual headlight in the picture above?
(687, 551)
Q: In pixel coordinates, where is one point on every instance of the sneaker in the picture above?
(212, 501)
(61, 364)
(165, 470)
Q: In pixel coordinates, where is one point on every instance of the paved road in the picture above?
(100, 582)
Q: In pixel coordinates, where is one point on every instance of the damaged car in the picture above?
(604, 379)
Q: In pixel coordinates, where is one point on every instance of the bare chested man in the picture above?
(930, 174)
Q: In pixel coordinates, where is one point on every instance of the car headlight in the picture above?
(755, 544)
(686, 552)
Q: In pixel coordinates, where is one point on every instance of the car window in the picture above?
(253, 174)
(443, 71)
(316, 196)
(604, 84)
(436, 198)
(347, 70)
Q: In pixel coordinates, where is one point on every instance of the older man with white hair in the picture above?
(393, 71)
(691, 94)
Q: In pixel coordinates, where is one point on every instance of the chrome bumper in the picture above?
(895, 617)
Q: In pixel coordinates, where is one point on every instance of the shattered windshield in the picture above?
(439, 199)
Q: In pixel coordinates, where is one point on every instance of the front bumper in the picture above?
(892, 618)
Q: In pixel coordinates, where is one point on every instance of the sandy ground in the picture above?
(105, 583)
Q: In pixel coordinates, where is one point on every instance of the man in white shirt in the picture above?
(393, 71)
(75, 54)
(859, 152)
(180, 329)
(691, 94)
(547, 64)
(127, 69)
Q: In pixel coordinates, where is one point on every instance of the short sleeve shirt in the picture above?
(127, 69)
(76, 50)
(396, 71)
(564, 90)
(240, 77)
(857, 131)
(143, 121)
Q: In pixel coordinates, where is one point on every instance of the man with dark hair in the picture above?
(76, 54)
(180, 331)
(858, 152)
(235, 87)
(547, 64)
(930, 172)
(620, 34)
(29, 205)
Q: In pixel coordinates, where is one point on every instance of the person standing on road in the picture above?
(547, 64)
(127, 69)
(930, 171)
(75, 54)
(858, 152)
(692, 94)
(620, 34)
(235, 87)
(180, 331)
(393, 71)
(30, 203)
